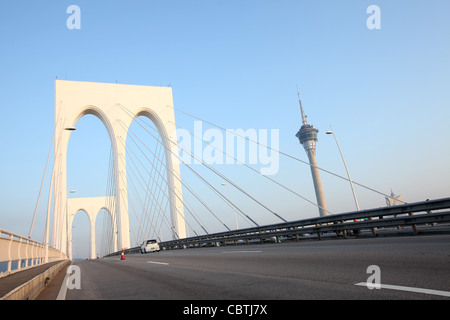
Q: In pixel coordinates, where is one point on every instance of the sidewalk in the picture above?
(15, 280)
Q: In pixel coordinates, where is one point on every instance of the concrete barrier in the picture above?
(31, 289)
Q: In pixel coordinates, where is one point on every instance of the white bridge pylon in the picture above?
(116, 105)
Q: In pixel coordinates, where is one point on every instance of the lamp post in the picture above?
(345, 165)
(68, 247)
(234, 211)
(49, 199)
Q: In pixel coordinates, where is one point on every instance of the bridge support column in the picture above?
(123, 234)
(92, 253)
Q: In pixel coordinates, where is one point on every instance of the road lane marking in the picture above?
(63, 290)
(241, 251)
(409, 289)
(156, 262)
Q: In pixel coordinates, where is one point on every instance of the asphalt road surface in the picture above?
(331, 269)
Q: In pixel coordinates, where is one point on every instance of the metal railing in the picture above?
(407, 215)
(18, 253)
(411, 215)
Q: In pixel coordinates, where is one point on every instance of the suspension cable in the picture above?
(204, 180)
(287, 155)
(226, 179)
(249, 167)
(170, 227)
(160, 174)
(181, 181)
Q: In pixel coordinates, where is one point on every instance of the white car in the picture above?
(150, 246)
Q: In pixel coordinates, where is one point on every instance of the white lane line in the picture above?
(241, 251)
(63, 290)
(409, 289)
(156, 262)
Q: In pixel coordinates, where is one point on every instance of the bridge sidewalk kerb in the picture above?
(27, 284)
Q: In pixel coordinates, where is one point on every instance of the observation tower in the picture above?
(308, 137)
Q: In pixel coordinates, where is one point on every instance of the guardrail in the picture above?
(18, 252)
(406, 215)
(412, 215)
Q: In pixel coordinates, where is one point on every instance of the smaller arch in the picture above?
(91, 206)
(79, 237)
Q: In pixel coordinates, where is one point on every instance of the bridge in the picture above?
(158, 189)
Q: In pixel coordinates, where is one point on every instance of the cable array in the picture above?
(108, 232)
(289, 156)
(150, 196)
(148, 188)
(148, 191)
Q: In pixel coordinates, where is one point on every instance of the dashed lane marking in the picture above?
(157, 262)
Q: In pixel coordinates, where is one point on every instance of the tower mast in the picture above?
(301, 108)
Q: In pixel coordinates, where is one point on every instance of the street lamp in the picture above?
(68, 244)
(345, 165)
(49, 198)
(234, 211)
(68, 247)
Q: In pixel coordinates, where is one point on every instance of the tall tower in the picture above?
(308, 137)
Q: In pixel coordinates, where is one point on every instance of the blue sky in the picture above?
(237, 64)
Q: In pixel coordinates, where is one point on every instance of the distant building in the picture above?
(394, 200)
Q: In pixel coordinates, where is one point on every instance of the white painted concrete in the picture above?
(116, 105)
